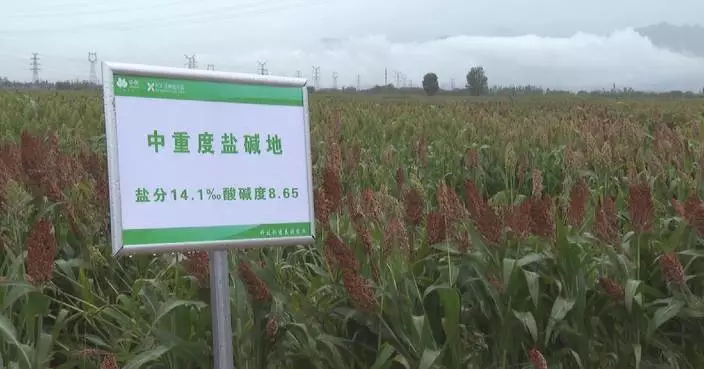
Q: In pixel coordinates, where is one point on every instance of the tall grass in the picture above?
(561, 233)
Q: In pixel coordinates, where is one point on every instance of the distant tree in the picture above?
(477, 82)
(430, 84)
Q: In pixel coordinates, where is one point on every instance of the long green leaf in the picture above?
(559, 310)
(528, 321)
(9, 333)
(166, 307)
(427, 360)
(631, 295)
(383, 358)
(147, 356)
(664, 314)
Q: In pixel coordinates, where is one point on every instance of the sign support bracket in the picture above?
(220, 310)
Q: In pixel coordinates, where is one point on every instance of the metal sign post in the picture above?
(208, 161)
(220, 307)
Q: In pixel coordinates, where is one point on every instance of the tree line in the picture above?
(477, 85)
(477, 82)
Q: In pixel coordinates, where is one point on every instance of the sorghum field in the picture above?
(558, 232)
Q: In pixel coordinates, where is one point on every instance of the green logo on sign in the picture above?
(121, 83)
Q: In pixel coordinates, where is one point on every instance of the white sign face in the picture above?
(206, 160)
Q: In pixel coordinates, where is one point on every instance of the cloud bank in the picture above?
(582, 61)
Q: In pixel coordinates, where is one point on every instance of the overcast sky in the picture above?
(552, 43)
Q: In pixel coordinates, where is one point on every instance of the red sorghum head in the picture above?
(449, 203)
(579, 196)
(360, 292)
(640, 207)
(343, 255)
(109, 361)
(257, 289)
(370, 204)
(332, 187)
(436, 227)
(272, 328)
(484, 217)
(518, 219)
(414, 206)
(537, 359)
(611, 287)
(322, 207)
(395, 237)
(197, 265)
(41, 251)
(672, 269)
(606, 221)
(362, 230)
(542, 219)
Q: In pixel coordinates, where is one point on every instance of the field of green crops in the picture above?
(538, 233)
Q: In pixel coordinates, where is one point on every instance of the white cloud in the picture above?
(582, 61)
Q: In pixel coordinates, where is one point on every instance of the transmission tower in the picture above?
(93, 60)
(34, 63)
(452, 84)
(262, 68)
(211, 66)
(316, 76)
(334, 80)
(191, 62)
(358, 82)
(299, 74)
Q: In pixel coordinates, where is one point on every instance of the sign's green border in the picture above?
(184, 89)
(214, 234)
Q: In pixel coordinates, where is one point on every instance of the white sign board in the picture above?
(206, 160)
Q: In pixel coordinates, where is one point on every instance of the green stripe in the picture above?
(183, 89)
(210, 234)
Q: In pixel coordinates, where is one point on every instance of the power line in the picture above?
(93, 60)
(401, 79)
(316, 76)
(191, 62)
(35, 67)
(262, 68)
